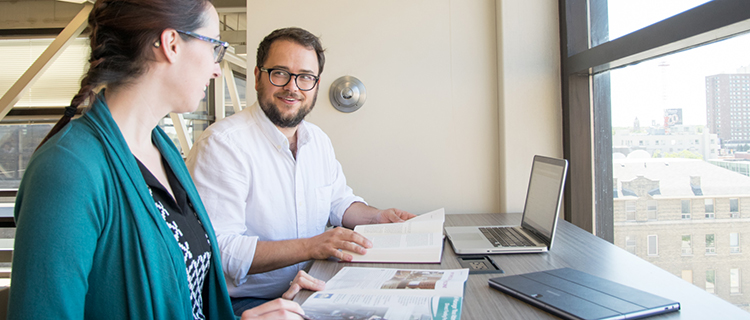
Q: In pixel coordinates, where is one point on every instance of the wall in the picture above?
(452, 116)
(530, 94)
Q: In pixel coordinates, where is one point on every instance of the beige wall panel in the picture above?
(530, 98)
(427, 137)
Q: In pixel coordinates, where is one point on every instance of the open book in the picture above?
(417, 240)
(380, 293)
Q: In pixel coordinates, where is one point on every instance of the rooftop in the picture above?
(674, 175)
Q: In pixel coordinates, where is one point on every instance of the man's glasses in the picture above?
(220, 47)
(280, 78)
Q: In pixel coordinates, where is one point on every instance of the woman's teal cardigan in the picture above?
(91, 244)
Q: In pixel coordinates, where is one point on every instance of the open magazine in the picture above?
(417, 240)
(393, 294)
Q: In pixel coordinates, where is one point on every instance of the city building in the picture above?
(728, 108)
(688, 217)
(657, 143)
(737, 165)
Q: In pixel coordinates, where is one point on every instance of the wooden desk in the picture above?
(574, 248)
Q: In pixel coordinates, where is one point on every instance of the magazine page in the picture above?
(409, 240)
(416, 281)
(340, 306)
(430, 226)
(383, 293)
(431, 222)
(417, 240)
(438, 214)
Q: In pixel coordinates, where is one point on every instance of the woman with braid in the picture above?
(109, 224)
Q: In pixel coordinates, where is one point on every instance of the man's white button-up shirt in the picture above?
(255, 190)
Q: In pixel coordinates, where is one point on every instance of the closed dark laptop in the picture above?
(572, 294)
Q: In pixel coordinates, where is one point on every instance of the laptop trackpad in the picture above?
(472, 236)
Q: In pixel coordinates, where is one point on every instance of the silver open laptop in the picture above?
(540, 213)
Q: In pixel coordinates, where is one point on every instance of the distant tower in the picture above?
(636, 125)
(728, 105)
(664, 97)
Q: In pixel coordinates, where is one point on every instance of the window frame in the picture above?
(735, 277)
(711, 272)
(587, 132)
(711, 250)
(683, 214)
(709, 214)
(687, 250)
(652, 239)
(687, 274)
(631, 207)
(652, 207)
(630, 244)
(734, 209)
(734, 243)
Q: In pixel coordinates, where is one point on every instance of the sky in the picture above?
(675, 81)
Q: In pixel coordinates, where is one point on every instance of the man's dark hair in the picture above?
(296, 35)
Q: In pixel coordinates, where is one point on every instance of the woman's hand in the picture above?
(303, 281)
(283, 308)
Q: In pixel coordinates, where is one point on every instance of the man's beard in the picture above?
(274, 113)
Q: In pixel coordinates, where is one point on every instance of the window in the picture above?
(653, 245)
(665, 74)
(22, 130)
(620, 25)
(734, 207)
(17, 143)
(734, 242)
(56, 86)
(630, 210)
(685, 209)
(651, 208)
(687, 245)
(710, 244)
(687, 275)
(734, 281)
(709, 205)
(630, 244)
(711, 281)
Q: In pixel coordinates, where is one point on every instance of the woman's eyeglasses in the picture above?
(220, 47)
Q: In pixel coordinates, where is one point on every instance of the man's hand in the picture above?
(328, 244)
(276, 309)
(360, 213)
(303, 281)
(392, 215)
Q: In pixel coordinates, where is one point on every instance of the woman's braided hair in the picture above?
(122, 33)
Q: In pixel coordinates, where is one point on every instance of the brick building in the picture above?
(688, 217)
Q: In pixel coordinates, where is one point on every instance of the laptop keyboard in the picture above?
(506, 237)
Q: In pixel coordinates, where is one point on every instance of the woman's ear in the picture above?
(168, 44)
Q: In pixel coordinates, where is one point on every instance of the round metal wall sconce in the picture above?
(347, 94)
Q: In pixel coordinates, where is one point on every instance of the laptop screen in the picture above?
(546, 180)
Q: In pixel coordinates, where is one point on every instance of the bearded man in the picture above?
(271, 183)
